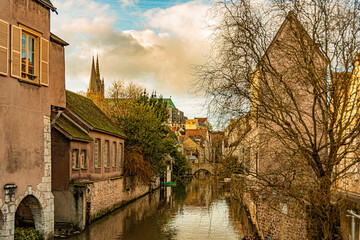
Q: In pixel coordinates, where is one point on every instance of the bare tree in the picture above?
(298, 87)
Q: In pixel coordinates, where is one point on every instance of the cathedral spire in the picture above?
(93, 86)
(96, 83)
(97, 68)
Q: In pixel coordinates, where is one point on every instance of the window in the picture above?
(75, 159)
(113, 154)
(121, 155)
(29, 55)
(83, 159)
(28, 64)
(106, 154)
(97, 147)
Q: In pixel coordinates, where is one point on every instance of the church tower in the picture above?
(96, 85)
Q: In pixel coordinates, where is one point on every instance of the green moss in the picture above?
(88, 111)
(72, 129)
(27, 234)
(83, 184)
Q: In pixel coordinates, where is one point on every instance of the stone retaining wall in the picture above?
(85, 202)
(111, 193)
(280, 220)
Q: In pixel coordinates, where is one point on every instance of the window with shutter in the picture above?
(15, 51)
(44, 62)
(4, 47)
(29, 55)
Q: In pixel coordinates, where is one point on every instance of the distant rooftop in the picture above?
(169, 103)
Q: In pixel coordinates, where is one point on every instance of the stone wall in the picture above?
(108, 194)
(44, 220)
(85, 202)
(280, 220)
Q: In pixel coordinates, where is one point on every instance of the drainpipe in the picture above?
(353, 215)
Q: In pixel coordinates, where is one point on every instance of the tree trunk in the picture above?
(323, 219)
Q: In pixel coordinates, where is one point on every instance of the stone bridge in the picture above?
(212, 168)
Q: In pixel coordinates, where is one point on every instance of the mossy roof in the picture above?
(71, 128)
(86, 109)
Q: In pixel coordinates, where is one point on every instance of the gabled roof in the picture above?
(291, 18)
(86, 109)
(71, 129)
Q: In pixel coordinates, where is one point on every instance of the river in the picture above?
(197, 209)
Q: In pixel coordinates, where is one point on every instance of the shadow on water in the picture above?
(196, 209)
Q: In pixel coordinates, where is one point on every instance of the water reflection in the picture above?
(195, 210)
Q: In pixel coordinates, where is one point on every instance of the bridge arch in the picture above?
(29, 213)
(202, 173)
(210, 167)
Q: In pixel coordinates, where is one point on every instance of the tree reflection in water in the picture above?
(196, 209)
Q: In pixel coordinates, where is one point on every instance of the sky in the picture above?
(152, 43)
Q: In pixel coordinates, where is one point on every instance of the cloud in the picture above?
(158, 56)
(187, 21)
(126, 3)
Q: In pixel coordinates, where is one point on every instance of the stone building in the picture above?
(176, 117)
(32, 75)
(195, 145)
(270, 152)
(88, 159)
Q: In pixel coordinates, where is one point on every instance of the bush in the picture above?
(27, 234)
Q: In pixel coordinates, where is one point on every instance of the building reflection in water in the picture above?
(195, 210)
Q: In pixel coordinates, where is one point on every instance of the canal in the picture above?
(197, 209)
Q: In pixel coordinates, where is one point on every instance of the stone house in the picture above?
(266, 143)
(176, 117)
(32, 74)
(195, 145)
(88, 159)
(192, 149)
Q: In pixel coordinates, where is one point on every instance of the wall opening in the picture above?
(1, 220)
(29, 214)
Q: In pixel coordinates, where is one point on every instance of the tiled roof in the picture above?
(183, 137)
(203, 120)
(72, 129)
(196, 132)
(86, 109)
